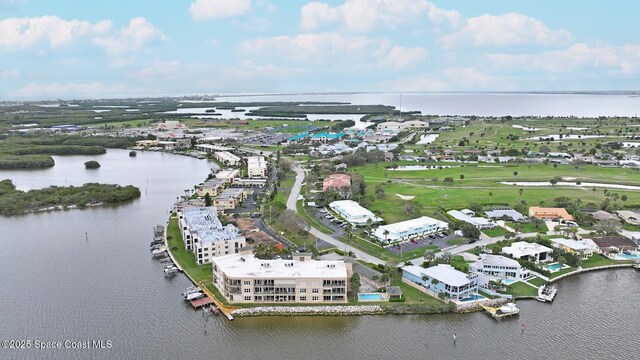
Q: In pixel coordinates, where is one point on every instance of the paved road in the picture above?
(291, 205)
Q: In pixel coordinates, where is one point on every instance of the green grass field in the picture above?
(561, 272)
(526, 227)
(184, 257)
(536, 281)
(600, 260)
(481, 185)
(285, 126)
(495, 232)
(521, 289)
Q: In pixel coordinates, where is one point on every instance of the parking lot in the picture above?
(432, 240)
(265, 138)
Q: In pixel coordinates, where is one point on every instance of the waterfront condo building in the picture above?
(226, 158)
(409, 229)
(256, 167)
(203, 233)
(441, 279)
(243, 278)
(353, 213)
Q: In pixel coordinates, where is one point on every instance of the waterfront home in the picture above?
(528, 251)
(468, 216)
(608, 245)
(353, 213)
(495, 267)
(256, 167)
(442, 279)
(550, 213)
(630, 217)
(243, 278)
(579, 248)
(204, 234)
(409, 229)
(502, 212)
(336, 181)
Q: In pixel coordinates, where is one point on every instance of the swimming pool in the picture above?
(554, 267)
(508, 281)
(629, 255)
(371, 297)
(473, 297)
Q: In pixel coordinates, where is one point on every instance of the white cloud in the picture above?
(8, 74)
(215, 9)
(320, 48)
(131, 38)
(72, 90)
(23, 33)
(400, 58)
(367, 15)
(160, 68)
(577, 57)
(505, 30)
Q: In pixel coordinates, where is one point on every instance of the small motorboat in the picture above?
(194, 296)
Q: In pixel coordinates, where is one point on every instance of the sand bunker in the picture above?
(405, 197)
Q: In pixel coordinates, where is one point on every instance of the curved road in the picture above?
(291, 205)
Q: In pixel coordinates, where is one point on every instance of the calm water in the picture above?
(57, 286)
(481, 104)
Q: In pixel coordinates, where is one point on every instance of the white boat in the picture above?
(191, 290)
(194, 296)
(158, 252)
(170, 271)
(508, 309)
(546, 293)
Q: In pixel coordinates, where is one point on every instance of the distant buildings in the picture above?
(226, 158)
(613, 244)
(499, 213)
(228, 175)
(326, 137)
(468, 216)
(442, 279)
(409, 229)
(336, 181)
(230, 198)
(550, 213)
(243, 278)
(353, 213)
(492, 267)
(203, 233)
(211, 187)
(528, 251)
(256, 167)
(397, 127)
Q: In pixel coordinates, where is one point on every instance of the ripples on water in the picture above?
(56, 285)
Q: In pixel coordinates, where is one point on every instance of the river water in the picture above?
(56, 285)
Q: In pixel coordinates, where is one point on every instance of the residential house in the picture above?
(442, 278)
(581, 249)
(550, 213)
(497, 267)
(528, 251)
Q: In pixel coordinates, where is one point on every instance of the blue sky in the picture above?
(71, 49)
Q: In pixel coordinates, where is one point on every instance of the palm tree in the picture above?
(490, 196)
(386, 235)
(384, 278)
(429, 255)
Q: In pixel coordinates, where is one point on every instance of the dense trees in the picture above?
(14, 202)
(91, 164)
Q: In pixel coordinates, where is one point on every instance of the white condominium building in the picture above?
(405, 230)
(353, 213)
(256, 167)
(243, 278)
(203, 233)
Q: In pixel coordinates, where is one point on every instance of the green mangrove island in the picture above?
(15, 202)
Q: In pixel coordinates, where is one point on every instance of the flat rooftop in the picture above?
(412, 224)
(248, 266)
(206, 224)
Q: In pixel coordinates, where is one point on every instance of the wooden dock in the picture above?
(204, 301)
(225, 309)
(496, 313)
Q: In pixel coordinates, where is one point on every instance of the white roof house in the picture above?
(529, 251)
(572, 244)
(444, 273)
(491, 267)
(406, 229)
(466, 216)
(353, 213)
(499, 213)
(256, 167)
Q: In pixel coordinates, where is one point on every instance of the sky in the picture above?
(69, 49)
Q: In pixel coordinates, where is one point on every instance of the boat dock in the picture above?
(224, 309)
(546, 293)
(204, 301)
(509, 309)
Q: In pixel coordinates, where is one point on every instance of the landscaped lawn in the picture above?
(495, 232)
(561, 272)
(536, 281)
(455, 242)
(184, 257)
(601, 260)
(521, 289)
(526, 227)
